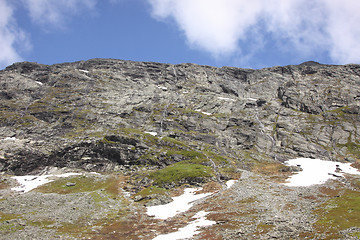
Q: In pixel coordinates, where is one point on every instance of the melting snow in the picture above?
(152, 133)
(189, 230)
(199, 110)
(316, 171)
(162, 88)
(10, 139)
(226, 99)
(230, 183)
(29, 182)
(179, 204)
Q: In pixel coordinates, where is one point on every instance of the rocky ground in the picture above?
(255, 207)
(150, 129)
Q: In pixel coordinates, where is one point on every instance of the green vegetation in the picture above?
(8, 216)
(189, 154)
(82, 184)
(180, 173)
(8, 226)
(263, 228)
(339, 214)
(172, 141)
(352, 148)
(150, 191)
(218, 159)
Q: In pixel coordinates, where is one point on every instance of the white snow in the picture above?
(230, 183)
(40, 83)
(152, 133)
(179, 204)
(190, 230)
(251, 99)
(226, 99)
(206, 113)
(29, 182)
(316, 171)
(10, 139)
(162, 87)
(84, 71)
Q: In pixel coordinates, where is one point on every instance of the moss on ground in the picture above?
(339, 214)
(82, 184)
(352, 148)
(180, 173)
(188, 154)
(150, 191)
(8, 216)
(173, 141)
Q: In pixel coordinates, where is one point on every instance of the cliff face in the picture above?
(103, 114)
(151, 127)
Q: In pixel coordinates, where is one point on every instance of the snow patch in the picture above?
(190, 230)
(30, 182)
(226, 99)
(230, 183)
(316, 171)
(178, 205)
(162, 88)
(10, 139)
(152, 133)
(251, 99)
(40, 83)
(84, 71)
(206, 113)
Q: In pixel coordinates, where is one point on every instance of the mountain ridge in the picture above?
(240, 95)
(153, 129)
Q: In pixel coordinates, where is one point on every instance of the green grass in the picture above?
(82, 184)
(150, 191)
(188, 154)
(172, 141)
(339, 214)
(179, 173)
(8, 216)
(352, 148)
(8, 226)
(218, 159)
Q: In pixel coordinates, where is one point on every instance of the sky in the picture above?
(238, 33)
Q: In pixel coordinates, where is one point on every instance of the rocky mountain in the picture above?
(162, 126)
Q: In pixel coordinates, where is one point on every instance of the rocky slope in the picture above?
(162, 125)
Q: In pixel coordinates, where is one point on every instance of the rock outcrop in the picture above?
(153, 129)
(107, 115)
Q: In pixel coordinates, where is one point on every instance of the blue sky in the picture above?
(240, 33)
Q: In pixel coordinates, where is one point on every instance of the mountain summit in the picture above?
(163, 125)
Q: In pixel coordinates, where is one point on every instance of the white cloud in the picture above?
(49, 13)
(10, 36)
(344, 30)
(212, 25)
(55, 13)
(223, 27)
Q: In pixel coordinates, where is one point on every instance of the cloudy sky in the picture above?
(240, 33)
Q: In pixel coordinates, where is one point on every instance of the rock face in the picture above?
(114, 115)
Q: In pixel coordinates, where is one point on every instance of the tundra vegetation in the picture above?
(151, 130)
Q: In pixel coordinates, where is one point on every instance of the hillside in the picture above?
(152, 129)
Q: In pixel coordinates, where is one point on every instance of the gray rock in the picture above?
(97, 120)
